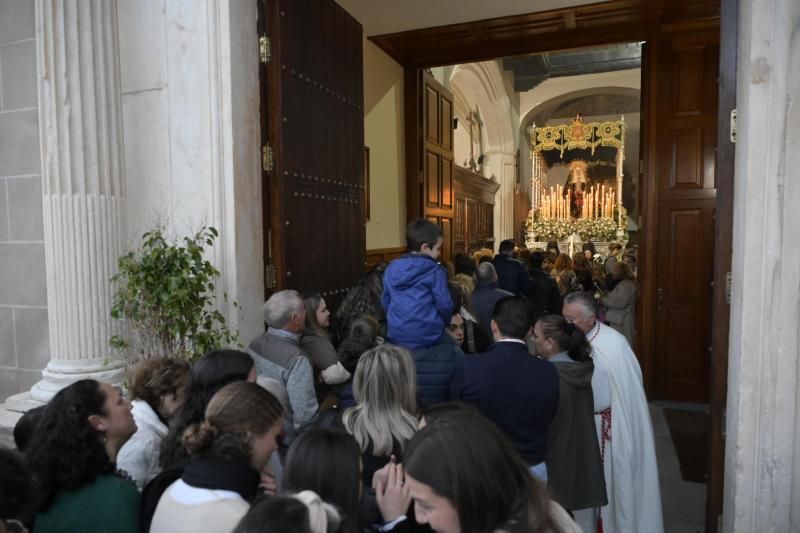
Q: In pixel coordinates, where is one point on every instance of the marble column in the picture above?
(82, 185)
(501, 164)
(762, 463)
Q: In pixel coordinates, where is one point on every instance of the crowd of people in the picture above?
(491, 398)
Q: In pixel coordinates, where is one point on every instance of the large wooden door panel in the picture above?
(432, 172)
(684, 300)
(312, 101)
(685, 135)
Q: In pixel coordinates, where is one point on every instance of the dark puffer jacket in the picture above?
(437, 366)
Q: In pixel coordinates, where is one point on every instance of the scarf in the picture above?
(223, 474)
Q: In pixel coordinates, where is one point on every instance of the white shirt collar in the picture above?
(513, 340)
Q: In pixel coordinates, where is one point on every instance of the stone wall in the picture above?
(24, 344)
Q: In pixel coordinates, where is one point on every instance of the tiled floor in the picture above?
(683, 502)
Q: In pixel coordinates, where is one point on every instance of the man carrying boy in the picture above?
(418, 307)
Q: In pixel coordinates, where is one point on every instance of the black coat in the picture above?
(545, 298)
(512, 276)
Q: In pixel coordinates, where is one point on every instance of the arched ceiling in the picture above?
(598, 100)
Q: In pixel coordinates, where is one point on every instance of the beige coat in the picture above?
(621, 314)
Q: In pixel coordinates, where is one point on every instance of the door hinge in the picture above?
(264, 49)
(267, 161)
(728, 287)
(270, 276)
(733, 125)
(724, 423)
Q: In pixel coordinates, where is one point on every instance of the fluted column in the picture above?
(83, 188)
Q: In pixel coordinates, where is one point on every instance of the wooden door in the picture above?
(313, 120)
(722, 265)
(685, 141)
(431, 193)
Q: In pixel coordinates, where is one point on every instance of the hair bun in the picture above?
(198, 437)
(570, 329)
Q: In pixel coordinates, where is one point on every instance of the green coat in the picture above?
(574, 469)
(110, 504)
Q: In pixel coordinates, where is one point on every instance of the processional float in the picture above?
(584, 208)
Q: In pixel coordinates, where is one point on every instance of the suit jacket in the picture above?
(512, 276)
(484, 297)
(515, 390)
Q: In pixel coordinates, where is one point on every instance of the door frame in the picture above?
(612, 22)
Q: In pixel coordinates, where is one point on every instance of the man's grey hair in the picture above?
(485, 272)
(585, 300)
(280, 307)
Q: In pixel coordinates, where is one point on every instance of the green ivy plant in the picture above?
(165, 295)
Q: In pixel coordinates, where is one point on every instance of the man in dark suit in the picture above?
(486, 294)
(509, 386)
(512, 276)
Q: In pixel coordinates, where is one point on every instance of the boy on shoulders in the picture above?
(415, 294)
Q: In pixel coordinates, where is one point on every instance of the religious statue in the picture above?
(577, 184)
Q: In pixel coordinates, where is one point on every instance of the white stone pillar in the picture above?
(84, 200)
(502, 164)
(762, 463)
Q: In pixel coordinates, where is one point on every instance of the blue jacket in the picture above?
(417, 301)
(515, 390)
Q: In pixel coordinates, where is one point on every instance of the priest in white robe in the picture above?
(629, 455)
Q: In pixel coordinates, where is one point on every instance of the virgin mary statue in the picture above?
(577, 184)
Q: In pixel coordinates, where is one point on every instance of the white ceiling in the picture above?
(391, 16)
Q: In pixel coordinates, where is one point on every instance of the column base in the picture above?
(58, 375)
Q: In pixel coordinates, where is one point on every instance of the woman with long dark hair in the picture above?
(209, 374)
(327, 461)
(362, 300)
(229, 448)
(574, 466)
(363, 336)
(465, 477)
(72, 456)
(316, 343)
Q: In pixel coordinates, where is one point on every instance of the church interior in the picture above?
(312, 132)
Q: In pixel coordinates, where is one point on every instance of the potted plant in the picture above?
(166, 296)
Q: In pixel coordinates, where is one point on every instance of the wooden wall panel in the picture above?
(432, 115)
(446, 123)
(447, 183)
(688, 89)
(474, 197)
(687, 159)
(432, 173)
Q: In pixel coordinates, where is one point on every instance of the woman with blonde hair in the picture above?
(229, 448)
(385, 415)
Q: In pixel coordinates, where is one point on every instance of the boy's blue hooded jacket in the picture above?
(417, 301)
